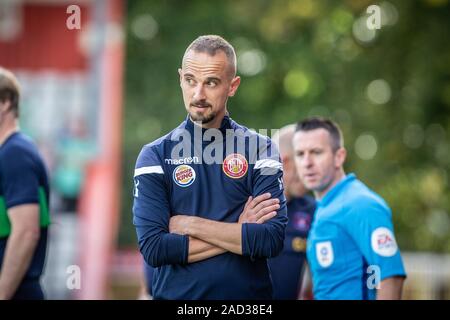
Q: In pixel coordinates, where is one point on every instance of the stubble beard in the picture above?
(203, 118)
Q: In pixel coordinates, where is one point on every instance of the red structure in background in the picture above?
(45, 44)
(100, 199)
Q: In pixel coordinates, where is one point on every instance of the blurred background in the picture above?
(92, 97)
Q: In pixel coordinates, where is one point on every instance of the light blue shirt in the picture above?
(351, 246)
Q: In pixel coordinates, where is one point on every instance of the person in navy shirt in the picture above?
(24, 198)
(351, 249)
(209, 207)
(286, 269)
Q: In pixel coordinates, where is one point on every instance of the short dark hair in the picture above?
(211, 44)
(9, 90)
(337, 139)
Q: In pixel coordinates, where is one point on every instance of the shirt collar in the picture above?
(226, 124)
(333, 192)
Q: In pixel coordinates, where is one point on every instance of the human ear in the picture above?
(234, 86)
(340, 156)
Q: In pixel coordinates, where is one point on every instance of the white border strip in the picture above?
(147, 170)
(268, 163)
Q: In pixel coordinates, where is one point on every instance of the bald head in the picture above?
(293, 187)
(211, 44)
(283, 138)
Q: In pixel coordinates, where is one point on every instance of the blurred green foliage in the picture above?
(389, 89)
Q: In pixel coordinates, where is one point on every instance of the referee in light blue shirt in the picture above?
(351, 249)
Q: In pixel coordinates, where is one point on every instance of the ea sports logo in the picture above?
(184, 175)
(383, 242)
(235, 166)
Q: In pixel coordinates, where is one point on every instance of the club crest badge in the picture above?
(235, 166)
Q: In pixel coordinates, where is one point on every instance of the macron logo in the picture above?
(187, 160)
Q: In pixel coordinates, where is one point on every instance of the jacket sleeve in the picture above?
(373, 232)
(151, 214)
(266, 240)
(20, 181)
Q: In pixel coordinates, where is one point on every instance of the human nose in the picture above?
(199, 93)
(307, 161)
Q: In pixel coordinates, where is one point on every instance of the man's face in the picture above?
(315, 160)
(292, 184)
(207, 82)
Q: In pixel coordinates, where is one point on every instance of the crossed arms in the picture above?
(208, 238)
(259, 231)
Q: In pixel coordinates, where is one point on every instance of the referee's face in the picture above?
(206, 83)
(317, 164)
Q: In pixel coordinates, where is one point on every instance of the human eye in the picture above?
(189, 81)
(317, 151)
(212, 83)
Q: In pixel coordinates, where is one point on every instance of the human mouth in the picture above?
(310, 176)
(199, 107)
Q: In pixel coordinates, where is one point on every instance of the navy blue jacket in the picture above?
(174, 175)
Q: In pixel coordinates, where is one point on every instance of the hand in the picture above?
(259, 209)
(179, 224)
